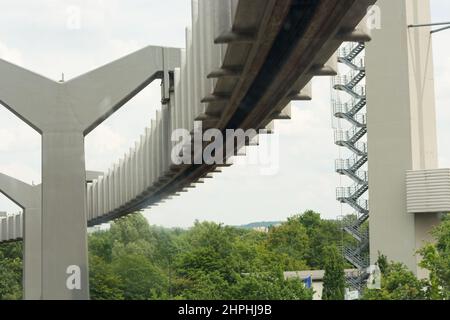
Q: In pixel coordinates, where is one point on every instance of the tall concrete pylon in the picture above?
(29, 199)
(401, 127)
(64, 113)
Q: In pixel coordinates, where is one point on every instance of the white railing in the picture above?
(11, 227)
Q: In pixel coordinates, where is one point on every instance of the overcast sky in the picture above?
(43, 36)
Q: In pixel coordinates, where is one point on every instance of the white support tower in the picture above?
(401, 128)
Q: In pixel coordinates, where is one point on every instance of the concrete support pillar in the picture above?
(401, 127)
(65, 268)
(32, 250)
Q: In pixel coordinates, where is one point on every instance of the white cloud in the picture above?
(6, 139)
(105, 140)
(10, 54)
(21, 172)
(442, 83)
(102, 146)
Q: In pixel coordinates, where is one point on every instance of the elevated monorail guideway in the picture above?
(244, 61)
(254, 67)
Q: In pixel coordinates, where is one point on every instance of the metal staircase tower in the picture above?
(349, 86)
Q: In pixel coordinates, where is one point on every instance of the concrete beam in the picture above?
(101, 92)
(20, 89)
(230, 72)
(301, 94)
(328, 69)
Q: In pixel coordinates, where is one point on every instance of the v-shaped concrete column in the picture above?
(29, 199)
(64, 113)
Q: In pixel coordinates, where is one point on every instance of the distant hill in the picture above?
(264, 224)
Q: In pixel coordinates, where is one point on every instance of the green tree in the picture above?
(270, 286)
(220, 262)
(11, 271)
(100, 245)
(334, 278)
(123, 264)
(208, 247)
(382, 263)
(131, 228)
(436, 258)
(140, 278)
(321, 233)
(398, 283)
(201, 285)
(133, 260)
(290, 238)
(105, 284)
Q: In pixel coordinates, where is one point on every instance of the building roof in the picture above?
(316, 275)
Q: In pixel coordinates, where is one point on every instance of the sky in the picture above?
(55, 37)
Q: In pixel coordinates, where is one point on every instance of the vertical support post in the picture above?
(65, 261)
(401, 127)
(32, 263)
